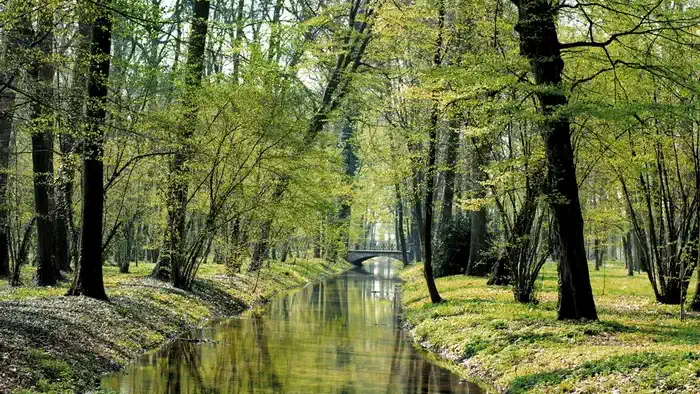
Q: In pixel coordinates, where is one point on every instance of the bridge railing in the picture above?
(377, 247)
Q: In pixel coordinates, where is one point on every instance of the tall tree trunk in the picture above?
(7, 103)
(350, 163)
(42, 73)
(173, 257)
(238, 39)
(629, 258)
(477, 244)
(273, 52)
(128, 245)
(67, 236)
(88, 279)
(430, 173)
(399, 225)
(415, 239)
(449, 174)
(597, 254)
(418, 205)
(540, 44)
(429, 193)
(12, 40)
(479, 237)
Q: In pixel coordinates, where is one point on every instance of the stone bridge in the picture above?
(357, 257)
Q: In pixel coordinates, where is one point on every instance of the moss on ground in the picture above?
(55, 344)
(637, 346)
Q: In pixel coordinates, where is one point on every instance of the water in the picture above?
(340, 336)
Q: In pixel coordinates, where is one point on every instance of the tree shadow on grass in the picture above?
(222, 302)
(618, 364)
(672, 332)
(87, 334)
(67, 338)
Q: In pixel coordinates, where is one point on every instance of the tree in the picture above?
(449, 173)
(173, 256)
(539, 43)
(431, 171)
(67, 234)
(7, 109)
(7, 103)
(88, 278)
(478, 248)
(355, 35)
(42, 74)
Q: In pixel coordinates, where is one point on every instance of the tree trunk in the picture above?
(478, 244)
(285, 252)
(350, 163)
(419, 222)
(154, 255)
(695, 305)
(66, 234)
(128, 245)
(500, 273)
(449, 174)
(399, 224)
(540, 44)
(22, 253)
(598, 254)
(7, 103)
(88, 279)
(173, 259)
(238, 39)
(415, 239)
(260, 248)
(431, 171)
(317, 245)
(42, 73)
(429, 185)
(629, 258)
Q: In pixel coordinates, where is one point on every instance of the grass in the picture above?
(637, 346)
(55, 344)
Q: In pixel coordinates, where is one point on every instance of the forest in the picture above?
(535, 164)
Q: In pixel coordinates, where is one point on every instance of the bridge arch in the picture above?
(357, 257)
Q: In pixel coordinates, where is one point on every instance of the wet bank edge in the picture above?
(330, 269)
(53, 343)
(440, 357)
(444, 358)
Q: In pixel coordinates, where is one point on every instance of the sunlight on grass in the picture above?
(637, 346)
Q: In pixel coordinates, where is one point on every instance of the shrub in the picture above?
(452, 252)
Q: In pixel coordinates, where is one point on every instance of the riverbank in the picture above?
(52, 343)
(638, 346)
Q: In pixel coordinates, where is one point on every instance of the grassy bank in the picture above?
(52, 343)
(638, 346)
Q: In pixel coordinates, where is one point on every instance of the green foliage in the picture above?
(637, 346)
(452, 251)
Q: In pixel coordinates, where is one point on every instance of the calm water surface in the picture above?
(340, 336)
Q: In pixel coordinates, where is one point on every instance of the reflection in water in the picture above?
(338, 336)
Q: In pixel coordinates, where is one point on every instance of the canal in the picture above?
(338, 336)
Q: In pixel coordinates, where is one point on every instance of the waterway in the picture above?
(339, 336)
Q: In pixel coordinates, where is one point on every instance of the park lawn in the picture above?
(52, 343)
(638, 346)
